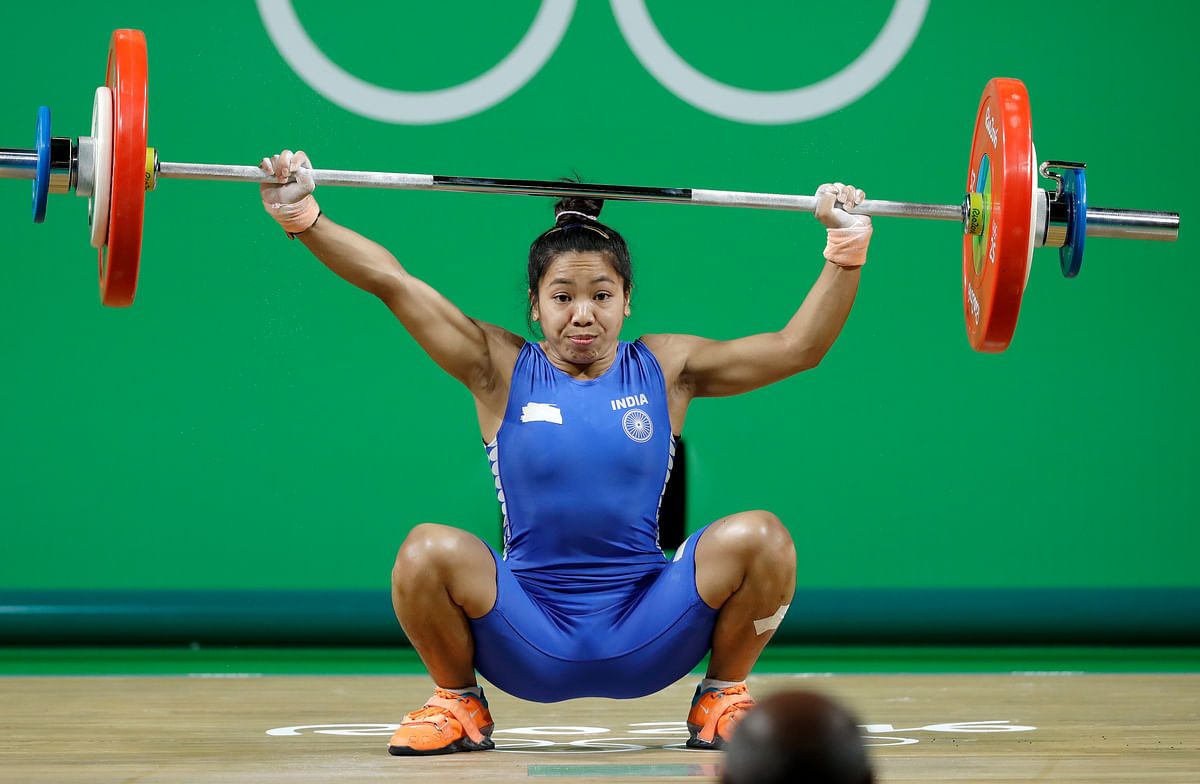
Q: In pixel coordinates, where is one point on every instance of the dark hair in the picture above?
(797, 736)
(577, 229)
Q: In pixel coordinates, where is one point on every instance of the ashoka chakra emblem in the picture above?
(637, 425)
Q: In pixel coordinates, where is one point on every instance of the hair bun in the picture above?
(576, 208)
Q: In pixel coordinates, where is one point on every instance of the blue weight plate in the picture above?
(41, 180)
(1070, 255)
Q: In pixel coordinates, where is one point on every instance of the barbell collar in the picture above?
(62, 165)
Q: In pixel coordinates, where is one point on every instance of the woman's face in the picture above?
(581, 305)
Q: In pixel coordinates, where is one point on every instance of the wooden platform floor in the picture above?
(1021, 727)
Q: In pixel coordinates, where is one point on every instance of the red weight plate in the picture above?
(1002, 170)
(127, 78)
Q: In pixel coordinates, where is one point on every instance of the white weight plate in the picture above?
(1034, 201)
(102, 146)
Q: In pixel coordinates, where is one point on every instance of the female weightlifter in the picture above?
(578, 431)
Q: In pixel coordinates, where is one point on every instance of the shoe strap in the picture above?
(735, 698)
(456, 709)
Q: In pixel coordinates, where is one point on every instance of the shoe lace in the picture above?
(735, 710)
(429, 714)
(426, 715)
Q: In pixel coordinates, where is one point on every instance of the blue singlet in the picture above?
(587, 605)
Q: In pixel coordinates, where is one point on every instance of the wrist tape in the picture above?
(298, 217)
(847, 247)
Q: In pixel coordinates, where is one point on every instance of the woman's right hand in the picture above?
(289, 199)
(848, 233)
(833, 200)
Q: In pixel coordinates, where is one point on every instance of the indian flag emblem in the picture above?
(637, 425)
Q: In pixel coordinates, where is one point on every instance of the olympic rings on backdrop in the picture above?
(543, 37)
(770, 107)
(408, 107)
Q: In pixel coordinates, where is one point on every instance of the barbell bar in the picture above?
(1004, 216)
(1100, 221)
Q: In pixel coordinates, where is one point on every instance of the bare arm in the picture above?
(472, 351)
(699, 367)
(462, 346)
(716, 368)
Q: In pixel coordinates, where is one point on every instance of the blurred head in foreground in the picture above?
(799, 738)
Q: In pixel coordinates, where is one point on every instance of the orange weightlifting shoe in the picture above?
(447, 723)
(714, 715)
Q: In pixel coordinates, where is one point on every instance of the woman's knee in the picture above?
(426, 551)
(441, 559)
(746, 549)
(757, 532)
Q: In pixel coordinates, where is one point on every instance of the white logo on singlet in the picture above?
(629, 402)
(541, 412)
(637, 425)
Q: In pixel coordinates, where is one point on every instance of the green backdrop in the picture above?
(254, 424)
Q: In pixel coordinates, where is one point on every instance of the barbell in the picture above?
(1004, 216)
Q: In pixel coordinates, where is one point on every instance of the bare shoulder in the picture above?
(500, 341)
(672, 352)
(502, 348)
(499, 334)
